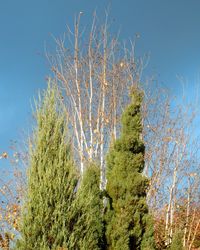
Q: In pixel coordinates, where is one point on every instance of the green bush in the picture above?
(87, 221)
(177, 241)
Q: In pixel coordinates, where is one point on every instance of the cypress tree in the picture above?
(51, 179)
(87, 222)
(129, 224)
(177, 241)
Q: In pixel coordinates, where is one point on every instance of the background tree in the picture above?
(51, 178)
(11, 192)
(129, 224)
(95, 72)
(172, 163)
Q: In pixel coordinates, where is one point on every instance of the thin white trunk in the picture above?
(167, 219)
(104, 84)
(170, 211)
(172, 204)
(76, 54)
(114, 112)
(102, 167)
(98, 129)
(191, 226)
(115, 123)
(194, 235)
(187, 215)
(79, 133)
(91, 146)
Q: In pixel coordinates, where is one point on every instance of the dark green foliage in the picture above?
(53, 218)
(87, 223)
(177, 241)
(51, 179)
(129, 224)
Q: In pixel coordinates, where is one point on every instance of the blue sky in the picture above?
(169, 30)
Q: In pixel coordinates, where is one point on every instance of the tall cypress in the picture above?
(51, 179)
(129, 224)
(87, 219)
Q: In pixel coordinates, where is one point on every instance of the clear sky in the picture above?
(169, 30)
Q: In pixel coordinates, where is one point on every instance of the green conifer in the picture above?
(51, 179)
(177, 241)
(87, 232)
(129, 224)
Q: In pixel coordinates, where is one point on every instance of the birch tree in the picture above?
(94, 71)
(172, 163)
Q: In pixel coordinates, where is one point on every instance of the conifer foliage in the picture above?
(128, 221)
(51, 179)
(177, 241)
(60, 214)
(87, 217)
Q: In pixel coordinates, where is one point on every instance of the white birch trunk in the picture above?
(187, 215)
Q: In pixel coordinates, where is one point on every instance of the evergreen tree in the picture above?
(177, 241)
(129, 224)
(87, 222)
(51, 179)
